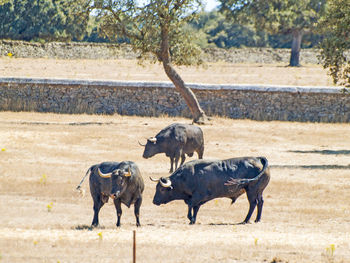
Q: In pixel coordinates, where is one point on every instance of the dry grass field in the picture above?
(306, 215)
(211, 73)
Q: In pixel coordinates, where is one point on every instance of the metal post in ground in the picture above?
(134, 248)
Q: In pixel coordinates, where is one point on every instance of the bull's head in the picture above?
(116, 171)
(152, 147)
(164, 193)
(164, 181)
(119, 182)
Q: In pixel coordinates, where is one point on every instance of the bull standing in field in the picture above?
(175, 141)
(120, 181)
(200, 181)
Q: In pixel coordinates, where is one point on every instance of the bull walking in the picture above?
(122, 181)
(200, 181)
(175, 141)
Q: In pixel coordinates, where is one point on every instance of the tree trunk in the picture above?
(198, 114)
(296, 44)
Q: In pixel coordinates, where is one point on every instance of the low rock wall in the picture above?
(257, 102)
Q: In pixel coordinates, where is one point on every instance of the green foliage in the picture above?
(43, 19)
(293, 17)
(276, 16)
(142, 25)
(225, 34)
(336, 44)
(213, 29)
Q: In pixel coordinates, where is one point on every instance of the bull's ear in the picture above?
(128, 174)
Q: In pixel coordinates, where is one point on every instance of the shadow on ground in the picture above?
(321, 167)
(326, 152)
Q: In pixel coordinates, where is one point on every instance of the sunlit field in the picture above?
(306, 215)
(211, 73)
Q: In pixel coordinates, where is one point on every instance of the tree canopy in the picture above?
(278, 17)
(335, 47)
(43, 19)
(157, 27)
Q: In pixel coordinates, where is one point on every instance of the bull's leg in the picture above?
(252, 198)
(97, 206)
(260, 206)
(137, 210)
(183, 158)
(200, 153)
(194, 216)
(190, 216)
(171, 164)
(177, 157)
(189, 213)
(118, 207)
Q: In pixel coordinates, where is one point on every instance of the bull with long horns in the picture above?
(199, 181)
(122, 182)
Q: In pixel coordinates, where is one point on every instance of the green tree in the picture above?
(43, 19)
(224, 34)
(294, 17)
(335, 47)
(157, 27)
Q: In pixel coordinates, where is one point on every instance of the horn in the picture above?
(166, 184)
(154, 180)
(143, 145)
(108, 175)
(128, 174)
(152, 139)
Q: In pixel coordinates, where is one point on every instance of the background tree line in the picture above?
(57, 20)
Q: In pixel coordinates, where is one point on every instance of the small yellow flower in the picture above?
(9, 54)
(100, 236)
(43, 179)
(3, 149)
(35, 242)
(256, 241)
(49, 207)
(330, 250)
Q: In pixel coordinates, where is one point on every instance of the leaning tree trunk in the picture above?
(296, 44)
(198, 114)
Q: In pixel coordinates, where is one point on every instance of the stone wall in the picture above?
(258, 102)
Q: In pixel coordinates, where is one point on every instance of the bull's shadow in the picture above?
(229, 224)
(321, 167)
(86, 227)
(325, 152)
(313, 167)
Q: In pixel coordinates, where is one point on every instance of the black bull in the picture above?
(120, 181)
(200, 181)
(175, 141)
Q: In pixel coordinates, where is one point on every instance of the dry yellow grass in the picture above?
(44, 156)
(211, 73)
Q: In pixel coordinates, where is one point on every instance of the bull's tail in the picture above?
(242, 181)
(82, 180)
